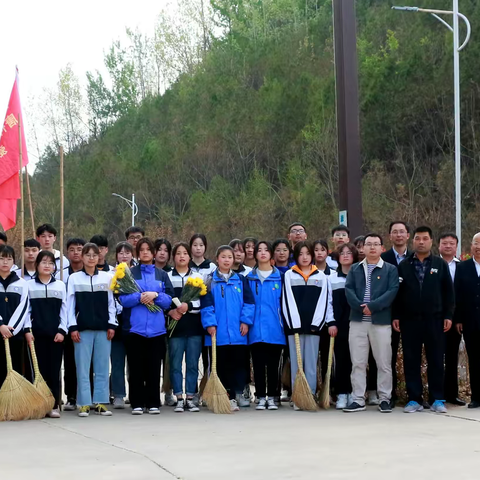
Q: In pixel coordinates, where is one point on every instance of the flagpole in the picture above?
(61, 213)
(22, 205)
(29, 193)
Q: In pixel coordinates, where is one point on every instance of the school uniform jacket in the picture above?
(14, 303)
(243, 270)
(205, 269)
(90, 303)
(48, 308)
(191, 323)
(341, 308)
(467, 295)
(434, 299)
(306, 303)
(268, 323)
(226, 306)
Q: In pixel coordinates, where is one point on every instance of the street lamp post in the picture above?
(131, 203)
(457, 48)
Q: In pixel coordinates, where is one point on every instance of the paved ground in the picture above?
(246, 445)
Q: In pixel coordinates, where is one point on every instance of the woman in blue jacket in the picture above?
(266, 337)
(227, 312)
(145, 330)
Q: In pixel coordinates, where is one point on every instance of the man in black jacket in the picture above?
(399, 235)
(467, 314)
(423, 312)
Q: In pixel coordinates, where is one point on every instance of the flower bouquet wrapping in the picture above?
(194, 289)
(123, 283)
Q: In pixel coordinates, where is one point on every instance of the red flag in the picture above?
(10, 160)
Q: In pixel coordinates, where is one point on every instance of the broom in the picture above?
(302, 395)
(19, 399)
(40, 384)
(325, 393)
(214, 393)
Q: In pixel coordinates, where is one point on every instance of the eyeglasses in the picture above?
(47, 264)
(134, 237)
(91, 257)
(6, 259)
(369, 245)
(346, 253)
(297, 231)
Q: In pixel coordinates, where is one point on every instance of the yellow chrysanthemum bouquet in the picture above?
(123, 283)
(193, 289)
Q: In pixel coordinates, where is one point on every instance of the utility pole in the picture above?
(348, 123)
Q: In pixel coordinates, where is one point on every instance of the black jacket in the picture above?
(389, 257)
(434, 299)
(467, 294)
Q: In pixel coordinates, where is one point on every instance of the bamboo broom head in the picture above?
(215, 394)
(324, 400)
(41, 385)
(19, 400)
(302, 395)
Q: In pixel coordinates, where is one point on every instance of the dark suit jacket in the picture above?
(467, 294)
(434, 299)
(389, 256)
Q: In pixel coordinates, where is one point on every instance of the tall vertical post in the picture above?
(458, 146)
(348, 123)
(22, 204)
(133, 209)
(61, 213)
(29, 193)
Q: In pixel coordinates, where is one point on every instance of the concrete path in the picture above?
(249, 445)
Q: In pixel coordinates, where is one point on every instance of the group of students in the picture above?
(259, 295)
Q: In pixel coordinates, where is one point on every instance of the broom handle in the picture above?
(330, 355)
(214, 354)
(299, 352)
(36, 370)
(8, 356)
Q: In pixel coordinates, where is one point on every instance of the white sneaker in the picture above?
(118, 403)
(137, 411)
(154, 411)
(70, 406)
(373, 398)
(170, 400)
(191, 407)
(271, 405)
(234, 406)
(242, 401)
(55, 413)
(180, 406)
(295, 408)
(262, 404)
(342, 401)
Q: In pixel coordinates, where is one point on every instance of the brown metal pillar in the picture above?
(348, 125)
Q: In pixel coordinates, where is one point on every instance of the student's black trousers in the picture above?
(343, 362)
(472, 343)
(49, 355)
(266, 356)
(231, 367)
(144, 357)
(415, 333)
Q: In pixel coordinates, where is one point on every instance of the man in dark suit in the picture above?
(423, 312)
(467, 314)
(399, 234)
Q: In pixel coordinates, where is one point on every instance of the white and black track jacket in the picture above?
(14, 303)
(48, 308)
(90, 302)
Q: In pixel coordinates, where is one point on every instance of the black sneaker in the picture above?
(385, 407)
(354, 407)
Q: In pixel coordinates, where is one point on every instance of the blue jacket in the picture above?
(137, 318)
(226, 306)
(267, 324)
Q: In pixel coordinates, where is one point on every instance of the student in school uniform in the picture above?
(199, 264)
(92, 322)
(31, 249)
(249, 248)
(186, 339)
(227, 312)
(239, 258)
(47, 236)
(163, 253)
(102, 243)
(281, 254)
(307, 305)
(266, 337)
(340, 235)
(146, 330)
(14, 306)
(47, 324)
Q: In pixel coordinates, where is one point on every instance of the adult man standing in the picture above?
(447, 247)
(423, 312)
(399, 235)
(371, 287)
(467, 314)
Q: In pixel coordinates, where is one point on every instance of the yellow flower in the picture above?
(116, 291)
(121, 274)
(203, 291)
(189, 281)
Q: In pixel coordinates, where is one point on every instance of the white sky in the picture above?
(41, 37)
